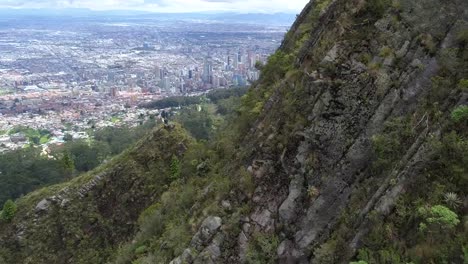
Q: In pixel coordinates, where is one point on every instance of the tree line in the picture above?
(25, 170)
(180, 101)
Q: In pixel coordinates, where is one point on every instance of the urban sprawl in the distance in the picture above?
(67, 75)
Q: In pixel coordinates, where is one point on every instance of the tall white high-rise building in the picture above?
(208, 70)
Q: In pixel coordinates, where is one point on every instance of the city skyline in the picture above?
(163, 6)
(95, 72)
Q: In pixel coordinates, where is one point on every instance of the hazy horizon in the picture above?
(160, 6)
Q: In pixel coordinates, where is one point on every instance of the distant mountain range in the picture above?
(253, 18)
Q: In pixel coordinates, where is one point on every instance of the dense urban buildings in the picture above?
(94, 71)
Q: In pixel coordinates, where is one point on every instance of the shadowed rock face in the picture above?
(347, 103)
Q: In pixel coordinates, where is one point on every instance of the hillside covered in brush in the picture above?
(352, 147)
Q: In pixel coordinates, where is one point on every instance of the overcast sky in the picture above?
(251, 6)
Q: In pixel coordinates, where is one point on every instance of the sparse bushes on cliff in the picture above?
(175, 168)
(262, 249)
(278, 64)
(438, 218)
(463, 84)
(460, 114)
(389, 145)
(9, 211)
(462, 37)
(386, 51)
(377, 8)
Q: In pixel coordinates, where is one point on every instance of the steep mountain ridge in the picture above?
(87, 218)
(352, 145)
(365, 63)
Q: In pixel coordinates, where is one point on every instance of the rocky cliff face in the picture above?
(352, 145)
(364, 70)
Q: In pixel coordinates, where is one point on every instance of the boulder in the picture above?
(332, 54)
(42, 206)
(212, 252)
(206, 232)
(186, 257)
(287, 210)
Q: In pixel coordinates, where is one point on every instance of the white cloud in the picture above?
(267, 6)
